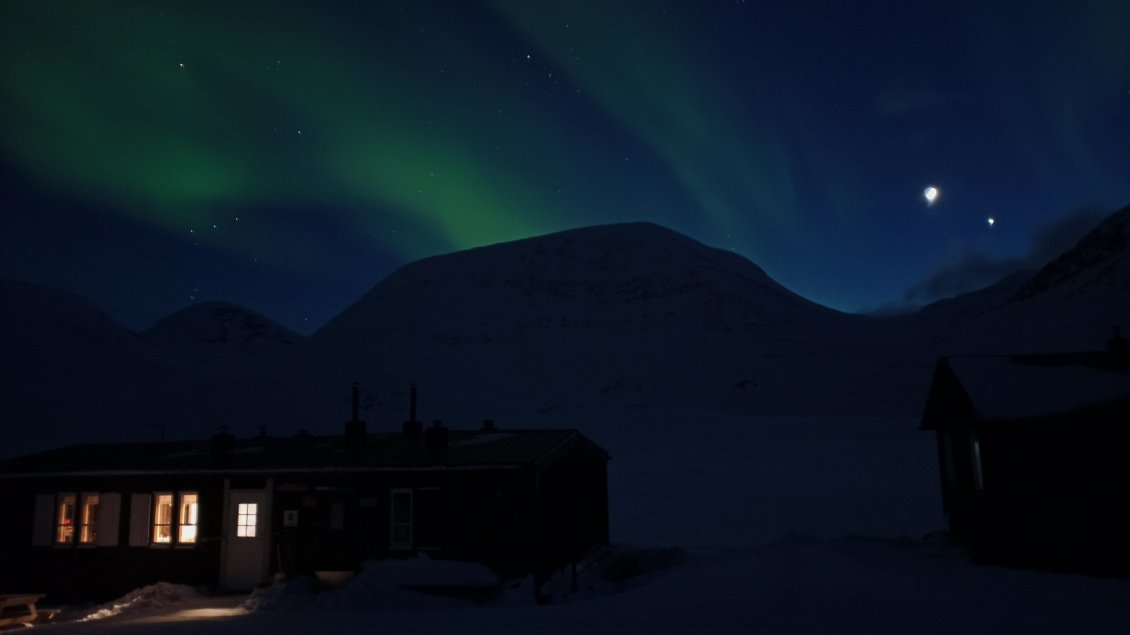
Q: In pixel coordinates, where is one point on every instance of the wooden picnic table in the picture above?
(19, 608)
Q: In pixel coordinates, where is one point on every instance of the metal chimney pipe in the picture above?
(412, 427)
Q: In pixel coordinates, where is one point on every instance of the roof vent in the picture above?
(436, 437)
(221, 446)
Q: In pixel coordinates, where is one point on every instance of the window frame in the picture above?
(173, 536)
(86, 523)
(192, 522)
(247, 520)
(77, 519)
(63, 528)
(158, 512)
(394, 524)
(978, 467)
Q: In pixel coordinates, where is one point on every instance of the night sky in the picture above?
(287, 156)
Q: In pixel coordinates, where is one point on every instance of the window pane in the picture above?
(163, 518)
(246, 520)
(88, 519)
(188, 508)
(65, 520)
(186, 534)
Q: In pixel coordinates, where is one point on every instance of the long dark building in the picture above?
(94, 521)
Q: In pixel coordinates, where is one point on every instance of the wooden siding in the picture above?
(518, 520)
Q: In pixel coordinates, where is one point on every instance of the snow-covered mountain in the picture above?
(217, 334)
(631, 314)
(68, 369)
(973, 304)
(72, 374)
(1098, 266)
(68, 330)
(1072, 303)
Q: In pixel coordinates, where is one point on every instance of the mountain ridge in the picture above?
(625, 315)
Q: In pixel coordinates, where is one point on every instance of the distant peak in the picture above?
(1094, 256)
(620, 276)
(217, 308)
(217, 331)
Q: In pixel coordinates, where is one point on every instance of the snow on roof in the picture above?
(1030, 386)
(467, 449)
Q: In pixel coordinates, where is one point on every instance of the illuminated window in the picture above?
(88, 520)
(65, 519)
(246, 519)
(162, 519)
(186, 527)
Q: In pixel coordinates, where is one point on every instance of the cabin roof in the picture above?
(1010, 387)
(466, 449)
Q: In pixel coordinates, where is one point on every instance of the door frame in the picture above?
(262, 530)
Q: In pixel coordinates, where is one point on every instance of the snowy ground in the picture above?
(771, 516)
(717, 481)
(797, 585)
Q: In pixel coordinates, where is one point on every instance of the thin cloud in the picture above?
(974, 269)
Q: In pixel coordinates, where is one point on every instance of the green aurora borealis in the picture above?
(106, 106)
(798, 136)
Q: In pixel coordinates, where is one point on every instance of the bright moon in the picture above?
(930, 194)
(992, 221)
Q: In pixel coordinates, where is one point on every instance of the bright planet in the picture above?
(930, 194)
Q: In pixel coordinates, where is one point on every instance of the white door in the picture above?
(247, 542)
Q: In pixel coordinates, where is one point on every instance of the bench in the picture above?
(18, 609)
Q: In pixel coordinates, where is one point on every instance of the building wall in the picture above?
(573, 511)
(104, 571)
(1053, 495)
(518, 520)
(334, 522)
